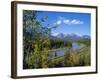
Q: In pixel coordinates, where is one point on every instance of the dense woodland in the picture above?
(37, 44)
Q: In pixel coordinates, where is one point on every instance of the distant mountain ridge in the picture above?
(70, 36)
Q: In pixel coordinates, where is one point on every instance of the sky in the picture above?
(68, 22)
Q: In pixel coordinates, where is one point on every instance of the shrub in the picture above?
(72, 58)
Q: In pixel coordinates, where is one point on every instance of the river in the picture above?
(61, 52)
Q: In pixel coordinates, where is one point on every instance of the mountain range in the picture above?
(70, 36)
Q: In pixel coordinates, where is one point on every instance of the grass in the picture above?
(72, 58)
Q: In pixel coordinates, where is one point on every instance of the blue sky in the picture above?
(68, 22)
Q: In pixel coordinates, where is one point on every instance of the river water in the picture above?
(61, 52)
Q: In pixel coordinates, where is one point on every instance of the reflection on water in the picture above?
(61, 52)
(75, 46)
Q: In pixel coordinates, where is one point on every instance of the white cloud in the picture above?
(75, 21)
(59, 22)
(68, 21)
